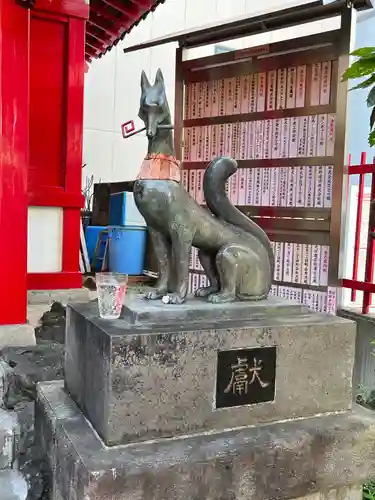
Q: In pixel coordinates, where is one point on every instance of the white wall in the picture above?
(44, 239)
(112, 88)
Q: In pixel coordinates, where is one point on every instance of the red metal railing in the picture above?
(367, 286)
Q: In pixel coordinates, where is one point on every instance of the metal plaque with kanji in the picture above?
(245, 376)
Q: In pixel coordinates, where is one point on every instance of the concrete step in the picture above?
(12, 485)
(9, 438)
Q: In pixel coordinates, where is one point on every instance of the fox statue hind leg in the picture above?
(209, 266)
(239, 274)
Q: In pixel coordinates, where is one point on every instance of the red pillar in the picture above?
(14, 33)
(57, 67)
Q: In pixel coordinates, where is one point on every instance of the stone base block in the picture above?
(145, 381)
(16, 335)
(320, 457)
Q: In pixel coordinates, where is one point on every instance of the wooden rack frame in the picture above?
(305, 225)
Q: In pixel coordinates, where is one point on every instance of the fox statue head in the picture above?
(154, 112)
(154, 109)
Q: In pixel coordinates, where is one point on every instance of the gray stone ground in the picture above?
(21, 465)
(21, 461)
(38, 303)
(22, 471)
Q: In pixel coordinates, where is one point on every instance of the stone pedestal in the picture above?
(203, 401)
(139, 380)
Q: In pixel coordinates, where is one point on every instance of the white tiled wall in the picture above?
(112, 88)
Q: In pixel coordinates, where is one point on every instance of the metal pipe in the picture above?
(163, 127)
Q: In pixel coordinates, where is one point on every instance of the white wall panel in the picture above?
(127, 86)
(99, 103)
(226, 10)
(168, 17)
(98, 155)
(44, 239)
(164, 57)
(199, 12)
(128, 155)
(139, 34)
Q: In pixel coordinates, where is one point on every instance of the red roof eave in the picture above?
(111, 20)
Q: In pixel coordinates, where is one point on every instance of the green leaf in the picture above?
(366, 83)
(362, 67)
(368, 491)
(371, 138)
(363, 52)
(372, 118)
(371, 97)
(367, 496)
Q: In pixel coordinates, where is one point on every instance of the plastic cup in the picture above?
(111, 288)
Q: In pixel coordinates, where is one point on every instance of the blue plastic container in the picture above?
(91, 236)
(127, 247)
(123, 210)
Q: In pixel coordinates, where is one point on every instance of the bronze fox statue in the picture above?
(235, 253)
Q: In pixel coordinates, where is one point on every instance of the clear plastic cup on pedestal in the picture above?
(111, 288)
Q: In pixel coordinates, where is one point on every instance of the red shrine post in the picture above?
(14, 33)
(43, 45)
(57, 64)
(42, 64)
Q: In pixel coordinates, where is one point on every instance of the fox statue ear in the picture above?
(145, 84)
(159, 77)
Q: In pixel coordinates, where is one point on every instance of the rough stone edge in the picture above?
(119, 327)
(138, 311)
(9, 438)
(64, 296)
(352, 492)
(355, 314)
(307, 456)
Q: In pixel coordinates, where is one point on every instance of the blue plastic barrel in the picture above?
(127, 247)
(91, 237)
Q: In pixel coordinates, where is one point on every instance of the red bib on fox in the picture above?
(160, 166)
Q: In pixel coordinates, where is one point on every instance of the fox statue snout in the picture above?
(151, 126)
(151, 118)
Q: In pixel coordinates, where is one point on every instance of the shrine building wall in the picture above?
(112, 85)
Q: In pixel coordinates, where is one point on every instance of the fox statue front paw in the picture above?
(154, 295)
(173, 298)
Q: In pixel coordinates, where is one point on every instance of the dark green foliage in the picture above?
(364, 66)
(369, 491)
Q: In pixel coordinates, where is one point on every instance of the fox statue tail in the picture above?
(215, 177)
